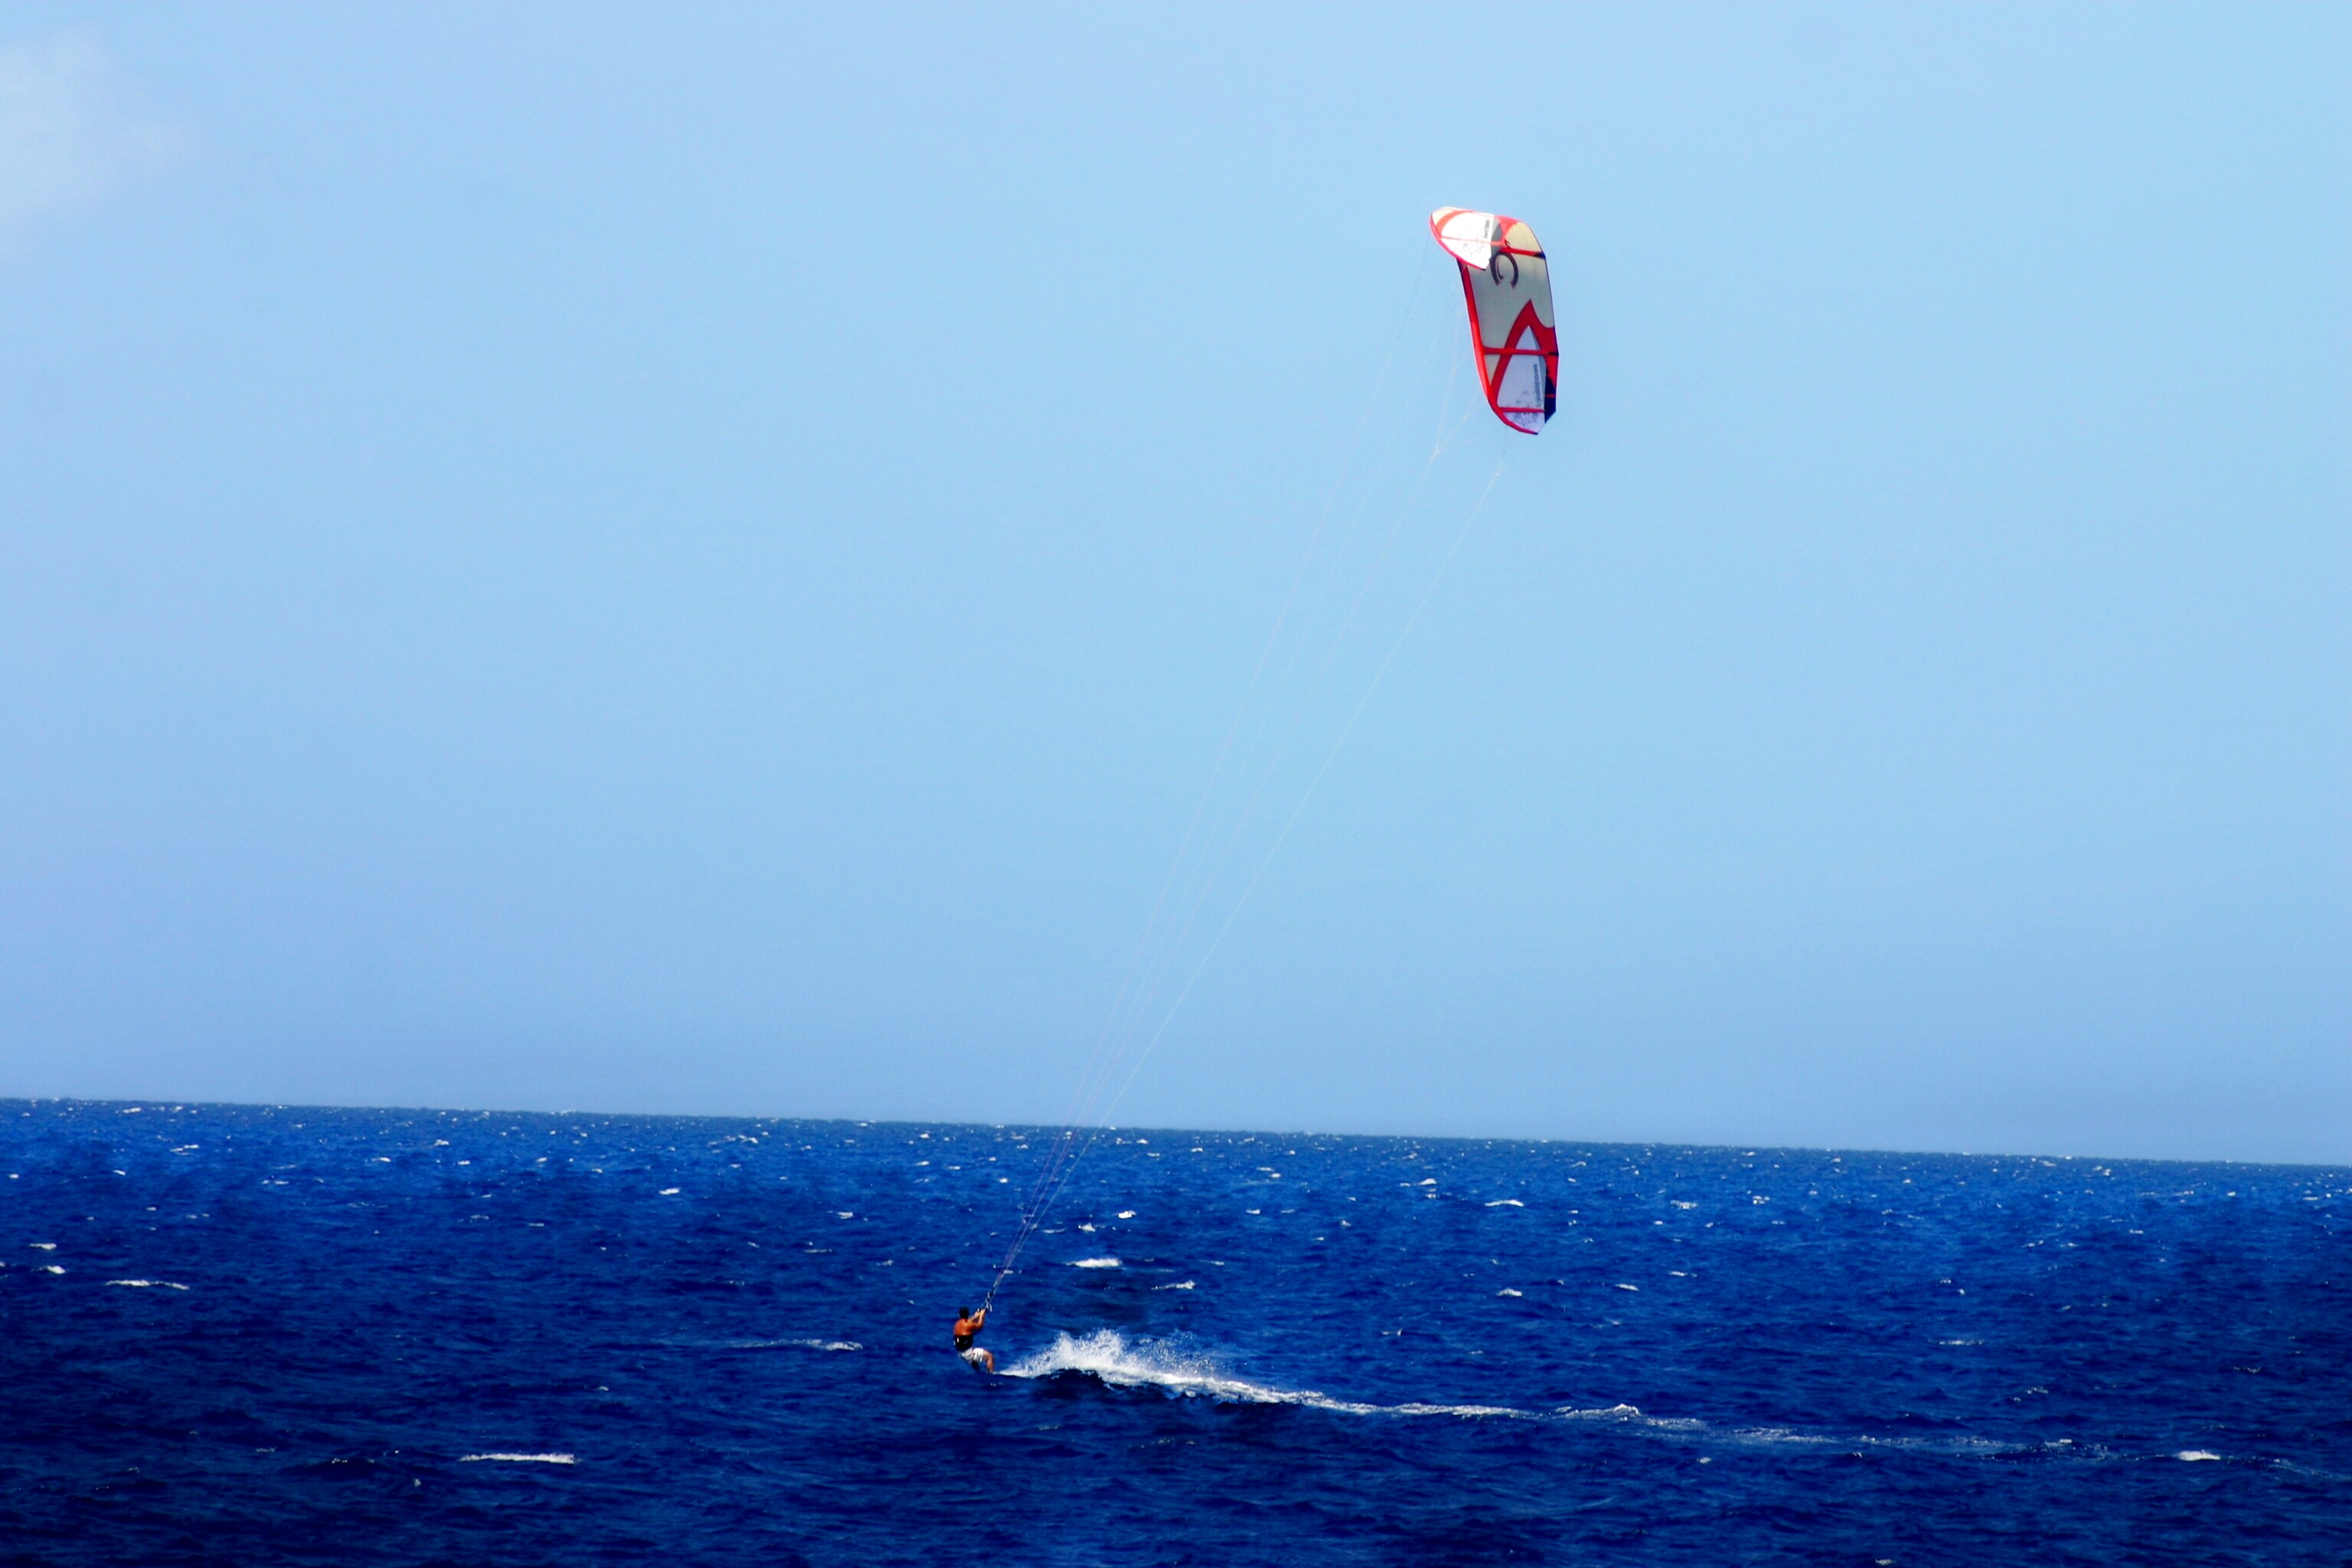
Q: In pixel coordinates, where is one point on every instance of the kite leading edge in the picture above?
(1508, 285)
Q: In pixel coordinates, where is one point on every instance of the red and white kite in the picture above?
(1509, 288)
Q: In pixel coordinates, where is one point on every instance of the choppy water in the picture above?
(264, 1336)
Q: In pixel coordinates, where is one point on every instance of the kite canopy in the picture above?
(1507, 286)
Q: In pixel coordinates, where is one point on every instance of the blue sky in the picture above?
(663, 560)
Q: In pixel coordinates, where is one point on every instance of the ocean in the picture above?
(289, 1335)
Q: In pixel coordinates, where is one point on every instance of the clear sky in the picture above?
(699, 559)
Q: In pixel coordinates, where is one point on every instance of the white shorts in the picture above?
(977, 1356)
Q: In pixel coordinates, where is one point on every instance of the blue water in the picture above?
(260, 1336)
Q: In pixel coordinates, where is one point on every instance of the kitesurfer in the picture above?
(968, 1325)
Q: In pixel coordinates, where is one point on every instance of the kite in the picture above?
(1507, 286)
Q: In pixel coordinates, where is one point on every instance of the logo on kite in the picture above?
(1508, 286)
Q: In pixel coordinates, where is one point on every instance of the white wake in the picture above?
(1178, 1371)
(1106, 1355)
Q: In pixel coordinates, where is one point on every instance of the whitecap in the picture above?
(1184, 1285)
(1095, 1263)
(51, 1268)
(1507, 1291)
(1127, 1214)
(796, 1345)
(1629, 1286)
(669, 1191)
(1506, 1203)
(146, 1284)
(522, 1458)
(2193, 1454)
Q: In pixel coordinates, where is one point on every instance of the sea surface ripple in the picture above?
(288, 1335)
